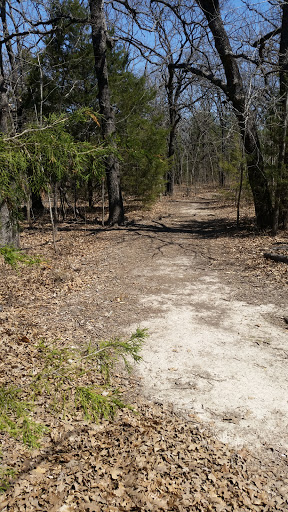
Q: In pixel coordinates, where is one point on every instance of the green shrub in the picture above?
(13, 257)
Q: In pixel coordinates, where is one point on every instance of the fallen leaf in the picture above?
(24, 339)
(115, 472)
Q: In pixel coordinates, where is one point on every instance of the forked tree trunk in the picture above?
(99, 41)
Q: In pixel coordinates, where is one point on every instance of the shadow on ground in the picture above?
(208, 229)
(211, 228)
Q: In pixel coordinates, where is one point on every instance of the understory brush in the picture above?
(13, 256)
(68, 383)
(15, 416)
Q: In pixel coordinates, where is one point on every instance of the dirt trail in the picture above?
(218, 345)
(217, 351)
(210, 352)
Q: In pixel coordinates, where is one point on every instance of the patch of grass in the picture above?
(13, 256)
(6, 474)
(14, 417)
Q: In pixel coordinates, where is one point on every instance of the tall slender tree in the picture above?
(8, 224)
(281, 201)
(100, 41)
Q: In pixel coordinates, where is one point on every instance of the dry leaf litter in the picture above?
(147, 458)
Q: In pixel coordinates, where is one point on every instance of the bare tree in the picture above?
(175, 81)
(232, 85)
(149, 29)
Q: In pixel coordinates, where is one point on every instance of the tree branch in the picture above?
(43, 23)
(260, 42)
(202, 74)
(40, 129)
(128, 7)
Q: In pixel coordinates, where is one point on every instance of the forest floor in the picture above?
(209, 427)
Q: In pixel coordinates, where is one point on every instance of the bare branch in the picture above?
(260, 42)
(202, 74)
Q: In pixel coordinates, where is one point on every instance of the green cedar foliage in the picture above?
(64, 69)
(142, 136)
(13, 167)
(62, 81)
(55, 156)
(43, 156)
(144, 162)
(13, 256)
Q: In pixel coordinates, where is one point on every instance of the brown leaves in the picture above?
(145, 462)
(94, 118)
(24, 339)
(150, 461)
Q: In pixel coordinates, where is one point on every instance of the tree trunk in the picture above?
(220, 112)
(90, 192)
(9, 233)
(280, 206)
(173, 88)
(55, 203)
(171, 162)
(256, 175)
(172, 132)
(37, 203)
(236, 94)
(99, 41)
(3, 105)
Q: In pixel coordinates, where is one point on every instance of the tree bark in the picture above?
(172, 101)
(280, 206)
(9, 234)
(99, 41)
(90, 192)
(220, 112)
(235, 92)
(171, 152)
(173, 92)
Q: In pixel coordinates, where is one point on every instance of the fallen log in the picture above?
(276, 257)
